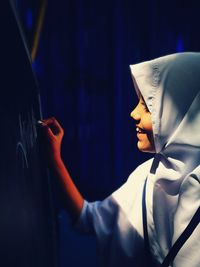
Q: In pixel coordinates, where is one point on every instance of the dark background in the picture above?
(82, 67)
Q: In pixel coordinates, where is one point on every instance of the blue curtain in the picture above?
(82, 66)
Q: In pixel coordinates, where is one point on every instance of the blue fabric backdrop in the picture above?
(82, 67)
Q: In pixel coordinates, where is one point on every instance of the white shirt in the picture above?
(118, 226)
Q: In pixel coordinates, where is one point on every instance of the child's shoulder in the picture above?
(128, 193)
(142, 170)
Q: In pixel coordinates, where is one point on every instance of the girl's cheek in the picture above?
(147, 123)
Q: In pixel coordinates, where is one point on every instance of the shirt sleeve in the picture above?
(99, 217)
(117, 222)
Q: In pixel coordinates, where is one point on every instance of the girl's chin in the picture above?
(145, 147)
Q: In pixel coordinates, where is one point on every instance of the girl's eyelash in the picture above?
(145, 106)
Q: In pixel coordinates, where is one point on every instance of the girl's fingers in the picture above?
(47, 130)
(53, 124)
(48, 120)
(56, 123)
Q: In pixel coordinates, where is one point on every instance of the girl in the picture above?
(140, 223)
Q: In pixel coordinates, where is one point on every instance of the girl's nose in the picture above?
(135, 115)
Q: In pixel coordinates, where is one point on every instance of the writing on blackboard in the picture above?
(28, 137)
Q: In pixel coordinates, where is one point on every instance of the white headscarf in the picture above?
(170, 86)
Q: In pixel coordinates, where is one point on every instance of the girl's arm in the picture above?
(53, 134)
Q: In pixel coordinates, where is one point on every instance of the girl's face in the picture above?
(144, 130)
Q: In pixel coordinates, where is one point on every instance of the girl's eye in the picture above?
(145, 107)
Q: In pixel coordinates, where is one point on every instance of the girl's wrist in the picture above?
(56, 160)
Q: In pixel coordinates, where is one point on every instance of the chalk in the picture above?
(41, 124)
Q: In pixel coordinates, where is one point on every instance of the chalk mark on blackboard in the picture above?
(28, 136)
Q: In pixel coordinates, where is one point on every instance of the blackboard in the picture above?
(27, 225)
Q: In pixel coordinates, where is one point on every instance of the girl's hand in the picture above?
(52, 134)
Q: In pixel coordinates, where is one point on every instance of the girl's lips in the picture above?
(140, 135)
(139, 130)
